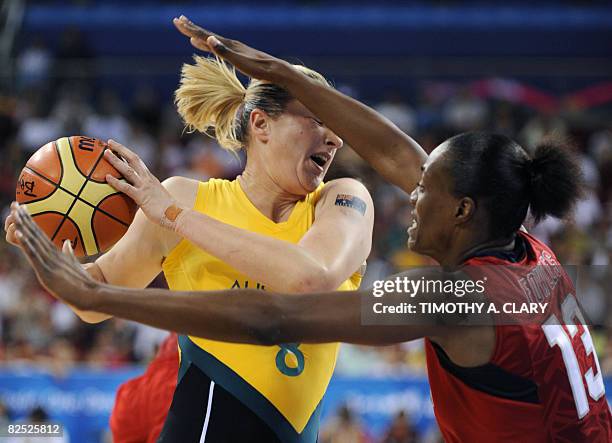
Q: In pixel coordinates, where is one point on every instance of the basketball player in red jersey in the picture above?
(528, 383)
(142, 403)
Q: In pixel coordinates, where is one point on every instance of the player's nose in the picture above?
(331, 139)
(413, 197)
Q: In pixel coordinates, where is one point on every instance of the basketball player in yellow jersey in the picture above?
(276, 227)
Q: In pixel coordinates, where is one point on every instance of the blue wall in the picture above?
(372, 47)
(341, 30)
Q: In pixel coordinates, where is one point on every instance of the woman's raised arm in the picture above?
(391, 152)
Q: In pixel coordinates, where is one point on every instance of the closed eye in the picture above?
(318, 122)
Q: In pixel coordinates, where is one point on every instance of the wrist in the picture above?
(93, 297)
(87, 296)
(172, 217)
(284, 74)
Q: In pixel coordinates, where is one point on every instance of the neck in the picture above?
(267, 196)
(462, 250)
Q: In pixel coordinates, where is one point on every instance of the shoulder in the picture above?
(178, 184)
(344, 188)
(183, 189)
(345, 193)
(346, 185)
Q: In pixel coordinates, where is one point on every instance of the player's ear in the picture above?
(465, 209)
(259, 123)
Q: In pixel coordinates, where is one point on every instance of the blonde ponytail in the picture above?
(209, 96)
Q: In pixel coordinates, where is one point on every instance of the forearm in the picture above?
(242, 317)
(394, 154)
(90, 316)
(277, 264)
(249, 316)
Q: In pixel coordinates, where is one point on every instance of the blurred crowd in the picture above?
(43, 106)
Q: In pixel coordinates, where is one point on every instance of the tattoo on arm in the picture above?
(351, 201)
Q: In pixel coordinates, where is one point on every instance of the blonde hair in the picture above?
(211, 96)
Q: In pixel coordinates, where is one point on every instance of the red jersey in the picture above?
(141, 404)
(543, 382)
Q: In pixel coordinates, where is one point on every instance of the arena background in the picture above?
(108, 69)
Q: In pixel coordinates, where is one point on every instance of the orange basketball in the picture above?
(63, 187)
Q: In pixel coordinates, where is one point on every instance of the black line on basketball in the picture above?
(76, 225)
(99, 159)
(76, 164)
(91, 222)
(58, 226)
(91, 205)
(46, 212)
(59, 157)
(92, 171)
(78, 228)
(97, 208)
(55, 185)
(80, 190)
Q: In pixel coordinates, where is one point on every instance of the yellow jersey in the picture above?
(284, 385)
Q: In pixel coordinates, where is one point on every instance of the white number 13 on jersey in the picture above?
(557, 336)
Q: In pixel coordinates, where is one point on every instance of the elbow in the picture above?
(270, 326)
(267, 335)
(320, 280)
(85, 309)
(91, 317)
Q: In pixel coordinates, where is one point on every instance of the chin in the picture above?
(317, 182)
(310, 185)
(413, 245)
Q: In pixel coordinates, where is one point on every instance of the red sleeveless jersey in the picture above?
(543, 382)
(142, 403)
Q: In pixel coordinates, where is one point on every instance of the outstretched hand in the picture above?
(60, 273)
(249, 61)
